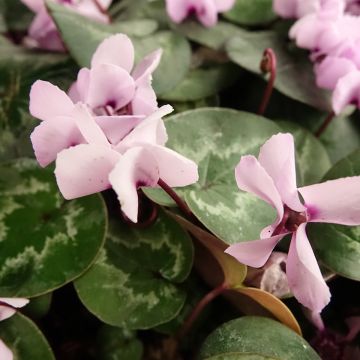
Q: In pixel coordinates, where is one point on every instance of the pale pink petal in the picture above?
(150, 131)
(117, 127)
(5, 352)
(254, 253)
(174, 169)
(347, 92)
(331, 69)
(147, 66)
(34, 5)
(285, 8)
(335, 201)
(177, 10)
(53, 136)
(8, 311)
(305, 279)
(277, 156)
(136, 168)
(89, 129)
(116, 50)
(110, 85)
(89, 9)
(224, 5)
(48, 101)
(79, 89)
(252, 177)
(206, 12)
(105, 4)
(84, 169)
(144, 101)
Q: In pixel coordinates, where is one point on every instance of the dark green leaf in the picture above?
(46, 241)
(132, 282)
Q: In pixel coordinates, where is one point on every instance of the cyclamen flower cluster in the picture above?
(8, 308)
(272, 178)
(43, 31)
(108, 131)
(206, 11)
(330, 30)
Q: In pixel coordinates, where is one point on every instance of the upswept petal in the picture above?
(305, 279)
(89, 129)
(91, 10)
(34, 5)
(206, 12)
(137, 167)
(84, 169)
(285, 8)
(252, 177)
(335, 201)
(5, 352)
(277, 156)
(144, 101)
(48, 101)
(53, 136)
(347, 91)
(109, 85)
(177, 10)
(117, 50)
(224, 5)
(8, 311)
(147, 66)
(79, 89)
(254, 253)
(117, 127)
(174, 169)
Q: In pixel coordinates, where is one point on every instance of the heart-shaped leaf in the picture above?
(24, 339)
(216, 139)
(45, 241)
(338, 246)
(132, 282)
(258, 338)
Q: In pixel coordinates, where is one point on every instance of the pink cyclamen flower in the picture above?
(43, 31)
(205, 10)
(139, 159)
(118, 100)
(8, 308)
(272, 177)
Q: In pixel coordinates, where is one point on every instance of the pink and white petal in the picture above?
(224, 5)
(206, 12)
(347, 92)
(334, 201)
(110, 85)
(117, 127)
(41, 26)
(14, 303)
(105, 4)
(174, 169)
(84, 169)
(34, 5)
(252, 177)
(147, 66)
(137, 167)
(277, 156)
(177, 10)
(254, 253)
(48, 101)
(53, 136)
(88, 127)
(5, 352)
(150, 131)
(50, 41)
(305, 279)
(285, 8)
(117, 50)
(79, 89)
(144, 101)
(89, 9)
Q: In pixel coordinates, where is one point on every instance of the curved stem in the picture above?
(210, 296)
(325, 124)
(268, 65)
(179, 202)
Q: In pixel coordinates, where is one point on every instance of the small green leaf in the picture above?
(118, 344)
(216, 139)
(24, 339)
(257, 337)
(45, 241)
(295, 76)
(249, 13)
(338, 246)
(132, 282)
(312, 160)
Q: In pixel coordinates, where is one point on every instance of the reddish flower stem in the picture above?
(179, 202)
(268, 65)
(325, 124)
(210, 296)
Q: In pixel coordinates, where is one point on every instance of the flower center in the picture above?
(290, 221)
